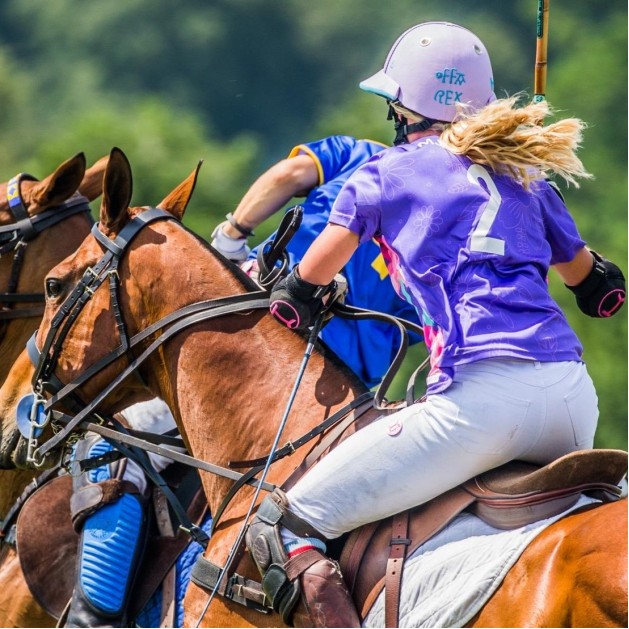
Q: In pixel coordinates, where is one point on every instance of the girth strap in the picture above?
(435, 515)
(395, 565)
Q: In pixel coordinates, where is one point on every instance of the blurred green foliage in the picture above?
(237, 83)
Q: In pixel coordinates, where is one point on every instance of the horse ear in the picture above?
(92, 185)
(177, 201)
(117, 188)
(61, 184)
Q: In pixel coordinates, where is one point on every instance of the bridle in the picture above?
(14, 238)
(45, 360)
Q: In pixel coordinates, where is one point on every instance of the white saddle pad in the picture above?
(448, 579)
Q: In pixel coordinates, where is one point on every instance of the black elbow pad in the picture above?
(602, 293)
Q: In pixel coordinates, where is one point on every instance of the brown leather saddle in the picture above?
(507, 497)
(47, 546)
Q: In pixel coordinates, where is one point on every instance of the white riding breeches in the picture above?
(495, 411)
(151, 416)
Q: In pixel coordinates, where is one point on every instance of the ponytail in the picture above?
(514, 141)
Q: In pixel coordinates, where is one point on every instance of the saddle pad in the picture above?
(448, 580)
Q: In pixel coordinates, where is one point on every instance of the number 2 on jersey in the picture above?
(480, 239)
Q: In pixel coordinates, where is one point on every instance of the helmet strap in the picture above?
(402, 128)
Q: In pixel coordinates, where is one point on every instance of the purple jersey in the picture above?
(469, 249)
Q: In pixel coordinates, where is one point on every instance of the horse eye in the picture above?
(54, 288)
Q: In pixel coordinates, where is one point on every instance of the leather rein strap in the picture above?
(45, 361)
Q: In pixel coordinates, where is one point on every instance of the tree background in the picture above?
(237, 83)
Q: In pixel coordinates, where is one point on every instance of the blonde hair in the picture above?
(514, 141)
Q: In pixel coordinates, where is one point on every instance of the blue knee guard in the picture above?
(112, 541)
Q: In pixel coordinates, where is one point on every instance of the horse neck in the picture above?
(232, 386)
(228, 380)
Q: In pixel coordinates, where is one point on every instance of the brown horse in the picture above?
(227, 381)
(57, 208)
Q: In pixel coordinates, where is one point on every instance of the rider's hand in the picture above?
(234, 249)
(297, 303)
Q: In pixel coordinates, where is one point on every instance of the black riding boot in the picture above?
(307, 590)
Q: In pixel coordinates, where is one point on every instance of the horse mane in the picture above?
(234, 269)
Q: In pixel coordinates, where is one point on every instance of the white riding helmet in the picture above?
(432, 67)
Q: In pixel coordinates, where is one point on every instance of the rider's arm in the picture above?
(291, 177)
(575, 271)
(288, 178)
(328, 254)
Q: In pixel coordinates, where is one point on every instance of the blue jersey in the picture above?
(367, 347)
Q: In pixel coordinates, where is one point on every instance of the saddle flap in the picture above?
(366, 574)
(48, 561)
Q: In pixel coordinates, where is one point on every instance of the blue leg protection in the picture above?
(111, 543)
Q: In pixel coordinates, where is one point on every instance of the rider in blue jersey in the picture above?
(318, 170)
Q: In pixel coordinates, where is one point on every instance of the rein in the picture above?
(46, 359)
(170, 325)
(106, 268)
(15, 236)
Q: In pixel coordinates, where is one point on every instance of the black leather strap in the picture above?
(237, 588)
(245, 231)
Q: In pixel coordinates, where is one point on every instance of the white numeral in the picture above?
(480, 240)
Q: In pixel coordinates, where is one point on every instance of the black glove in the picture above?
(602, 293)
(297, 303)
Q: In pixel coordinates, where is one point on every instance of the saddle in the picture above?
(48, 561)
(510, 496)
(507, 497)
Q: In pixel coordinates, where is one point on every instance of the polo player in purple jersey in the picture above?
(469, 227)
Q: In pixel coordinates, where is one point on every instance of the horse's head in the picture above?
(105, 293)
(41, 222)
